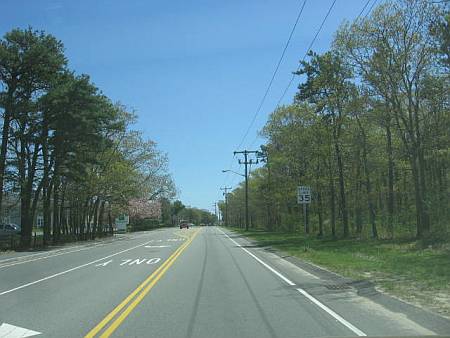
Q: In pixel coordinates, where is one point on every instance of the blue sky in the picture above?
(194, 70)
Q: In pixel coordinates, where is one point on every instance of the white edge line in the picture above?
(332, 313)
(48, 256)
(43, 253)
(303, 292)
(57, 252)
(288, 281)
(70, 270)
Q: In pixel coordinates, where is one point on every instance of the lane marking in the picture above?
(138, 261)
(153, 260)
(12, 331)
(341, 320)
(54, 253)
(287, 280)
(69, 270)
(35, 254)
(145, 284)
(48, 256)
(332, 313)
(141, 296)
(157, 246)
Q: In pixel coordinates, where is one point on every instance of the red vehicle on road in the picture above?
(184, 224)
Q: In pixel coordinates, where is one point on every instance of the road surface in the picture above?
(201, 282)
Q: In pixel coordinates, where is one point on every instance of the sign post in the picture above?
(304, 197)
(121, 223)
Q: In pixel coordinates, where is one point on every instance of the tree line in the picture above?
(175, 211)
(368, 130)
(68, 151)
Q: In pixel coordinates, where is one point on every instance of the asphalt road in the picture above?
(201, 282)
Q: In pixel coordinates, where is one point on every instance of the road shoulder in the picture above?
(364, 289)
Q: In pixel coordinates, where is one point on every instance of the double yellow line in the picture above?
(137, 295)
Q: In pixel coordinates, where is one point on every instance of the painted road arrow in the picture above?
(11, 331)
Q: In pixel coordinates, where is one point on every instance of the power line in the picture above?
(269, 85)
(306, 54)
(307, 51)
(303, 59)
(273, 75)
(370, 9)
(310, 46)
(362, 10)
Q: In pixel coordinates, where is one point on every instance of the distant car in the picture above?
(9, 229)
(184, 225)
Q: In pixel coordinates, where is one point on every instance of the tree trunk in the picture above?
(320, 213)
(371, 207)
(390, 204)
(56, 223)
(110, 222)
(342, 199)
(332, 205)
(7, 117)
(101, 217)
(95, 217)
(62, 214)
(358, 188)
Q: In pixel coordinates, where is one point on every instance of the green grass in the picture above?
(402, 266)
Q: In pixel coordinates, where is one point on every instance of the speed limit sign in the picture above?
(303, 194)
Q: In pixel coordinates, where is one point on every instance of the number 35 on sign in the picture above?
(303, 194)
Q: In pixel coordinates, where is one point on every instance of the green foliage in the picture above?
(68, 150)
(368, 131)
(403, 266)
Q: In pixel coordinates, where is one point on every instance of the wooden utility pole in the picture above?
(226, 203)
(246, 162)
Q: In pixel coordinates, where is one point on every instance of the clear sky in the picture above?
(194, 70)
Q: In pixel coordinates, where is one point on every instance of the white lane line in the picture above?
(70, 270)
(55, 253)
(157, 246)
(26, 256)
(287, 280)
(48, 256)
(303, 292)
(332, 313)
(42, 253)
(12, 331)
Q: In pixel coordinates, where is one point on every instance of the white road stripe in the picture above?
(55, 253)
(70, 270)
(12, 331)
(30, 255)
(332, 313)
(303, 292)
(288, 281)
(48, 256)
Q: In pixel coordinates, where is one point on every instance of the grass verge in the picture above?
(400, 267)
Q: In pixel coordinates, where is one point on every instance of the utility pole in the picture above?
(226, 203)
(263, 156)
(215, 210)
(246, 162)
